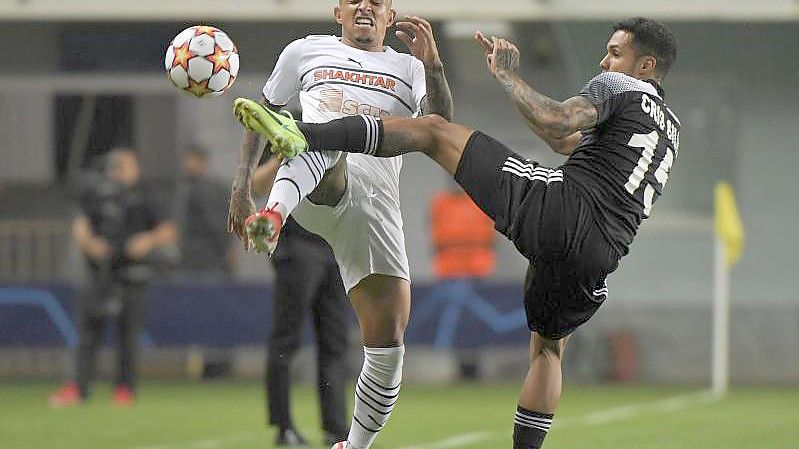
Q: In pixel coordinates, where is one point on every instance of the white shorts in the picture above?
(364, 228)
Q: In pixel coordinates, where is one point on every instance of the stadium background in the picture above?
(71, 69)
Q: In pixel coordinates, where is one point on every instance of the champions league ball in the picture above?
(202, 60)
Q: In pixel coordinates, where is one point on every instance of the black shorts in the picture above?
(550, 224)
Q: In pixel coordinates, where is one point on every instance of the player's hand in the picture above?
(98, 249)
(417, 34)
(138, 246)
(241, 207)
(502, 56)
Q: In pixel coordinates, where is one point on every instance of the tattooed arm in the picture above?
(559, 124)
(241, 202)
(423, 45)
(439, 97)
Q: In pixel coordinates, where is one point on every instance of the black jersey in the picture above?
(623, 163)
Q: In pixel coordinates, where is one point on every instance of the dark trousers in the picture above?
(308, 280)
(109, 296)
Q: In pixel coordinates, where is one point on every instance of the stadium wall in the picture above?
(456, 332)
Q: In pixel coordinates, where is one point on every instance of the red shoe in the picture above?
(123, 396)
(263, 229)
(66, 396)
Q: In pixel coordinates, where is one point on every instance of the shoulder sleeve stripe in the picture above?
(607, 84)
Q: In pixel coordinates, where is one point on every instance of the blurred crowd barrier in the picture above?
(206, 330)
(31, 250)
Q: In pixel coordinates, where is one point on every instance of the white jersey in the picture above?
(335, 80)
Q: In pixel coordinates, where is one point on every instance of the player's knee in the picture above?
(386, 336)
(549, 349)
(435, 124)
(436, 127)
(549, 353)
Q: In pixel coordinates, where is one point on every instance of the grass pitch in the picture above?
(227, 415)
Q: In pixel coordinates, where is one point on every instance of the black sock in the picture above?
(357, 134)
(530, 428)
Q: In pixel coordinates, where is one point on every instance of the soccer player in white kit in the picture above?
(352, 202)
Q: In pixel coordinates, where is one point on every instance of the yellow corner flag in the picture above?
(728, 223)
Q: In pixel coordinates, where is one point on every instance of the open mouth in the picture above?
(364, 21)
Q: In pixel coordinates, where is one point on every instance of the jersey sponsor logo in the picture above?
(332, 100)
(365, 79)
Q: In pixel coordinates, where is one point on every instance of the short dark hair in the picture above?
(653, 38)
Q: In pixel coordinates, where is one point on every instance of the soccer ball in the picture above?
(202, 60)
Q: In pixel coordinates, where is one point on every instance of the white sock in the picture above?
(297, 177)
(376, 392)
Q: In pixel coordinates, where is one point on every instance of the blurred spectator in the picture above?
(206, 249)
(463, 237)
(463, 247)
(120, 230)
(307, 280)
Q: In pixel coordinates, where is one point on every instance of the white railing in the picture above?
(293, 10)
(32, 250)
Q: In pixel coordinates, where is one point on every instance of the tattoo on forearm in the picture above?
(547, 115)
(397, 142)
(439, 96)
(249, 155)
(507, 60)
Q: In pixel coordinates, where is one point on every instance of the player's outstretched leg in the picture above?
(443, 141)
(279, 128)
(296, 178)
(540, 393)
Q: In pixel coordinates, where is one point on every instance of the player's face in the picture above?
(194, 165)
(622, 57)
(125, 168)
(364, 22)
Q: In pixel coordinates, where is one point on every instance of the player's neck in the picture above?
(365, 46)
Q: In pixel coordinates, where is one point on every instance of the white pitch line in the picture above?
(621, 413)
(206, 444)
(600, 417)
(459, 440)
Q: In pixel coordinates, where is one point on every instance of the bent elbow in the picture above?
(560, 129)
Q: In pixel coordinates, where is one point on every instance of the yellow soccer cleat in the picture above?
(280, 129)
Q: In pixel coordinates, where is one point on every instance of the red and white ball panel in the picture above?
(169, 58)
(200, 69)
(234, 64)
(219, 81)
(184, 36)
(202, 45)
(179, 77)
(224, 42)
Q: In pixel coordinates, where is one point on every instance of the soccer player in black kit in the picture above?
(573, 222)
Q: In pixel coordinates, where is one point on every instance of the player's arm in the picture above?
(283, 83)
(241, 202)
(422, 44)
(249, 180)
(96, 247)
(560, 124)
(264, 176)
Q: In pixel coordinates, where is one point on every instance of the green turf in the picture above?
(230, 416)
